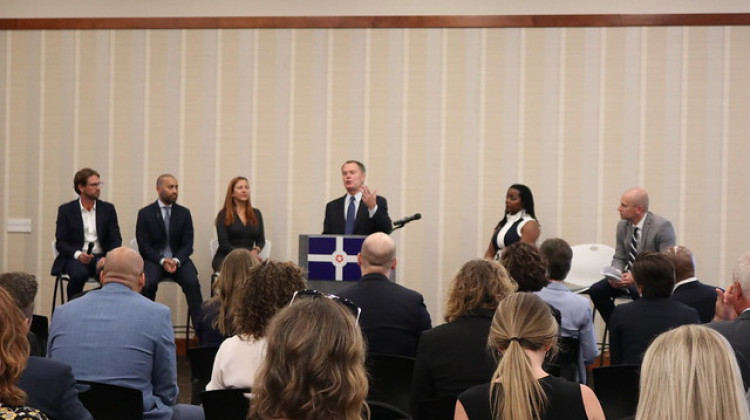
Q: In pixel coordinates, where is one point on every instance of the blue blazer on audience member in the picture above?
(698, 296)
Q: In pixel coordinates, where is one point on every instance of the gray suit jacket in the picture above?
(737, 332)
(657, 235)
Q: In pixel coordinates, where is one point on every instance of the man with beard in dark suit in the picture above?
(164, 231)
(86, 229)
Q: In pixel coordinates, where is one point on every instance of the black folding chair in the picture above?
(225, 404)
(435, 409)
(565, 364)
(390, 379)
(617, 389)
(111, 402)
(383, 411)
(201, 365)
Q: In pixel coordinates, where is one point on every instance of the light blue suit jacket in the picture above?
(116, 336)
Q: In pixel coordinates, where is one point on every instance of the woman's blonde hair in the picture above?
(314, 364)
(691, 373)
(235, 272)
(14, 350)
(479, 284)
(521, 321)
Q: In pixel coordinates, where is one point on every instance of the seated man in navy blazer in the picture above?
(346, 215)
(164, 231)
(688, 289)
(49, 384)
(86, 230)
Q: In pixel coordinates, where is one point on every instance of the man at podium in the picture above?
(361, 211)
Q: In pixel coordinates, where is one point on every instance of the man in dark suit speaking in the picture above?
(86, 229)
(346, 215)
(164, 231)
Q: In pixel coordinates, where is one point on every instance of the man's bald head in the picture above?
(638, 197)
(378, 254)
(123, 265)
(684, 263)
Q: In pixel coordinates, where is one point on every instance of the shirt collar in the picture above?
(686, 281)
(357, 196)
(162, 205)
(556, 285)
(83, 209)
(640, 224)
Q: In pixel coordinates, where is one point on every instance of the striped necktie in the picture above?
(633, 249)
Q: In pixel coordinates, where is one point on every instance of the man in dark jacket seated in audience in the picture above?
(688, 289)
(633, 325)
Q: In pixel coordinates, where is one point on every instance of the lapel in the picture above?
(160, 219)
(644, 232)
(99, 217)
(362, 213)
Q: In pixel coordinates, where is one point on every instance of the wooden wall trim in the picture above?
(285, 22)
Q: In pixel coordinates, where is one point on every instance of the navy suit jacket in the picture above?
(50, 387)
(699, 296)
(393, 317)
(69, 231)
(152, 235)
(335, 222)
(635, 324)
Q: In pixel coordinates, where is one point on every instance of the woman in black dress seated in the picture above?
(518, 224)
(454, 356)
(523, 331)
(238, 224)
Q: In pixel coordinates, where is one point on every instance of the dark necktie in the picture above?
(633, 249)
(350, 216)
(167, 248)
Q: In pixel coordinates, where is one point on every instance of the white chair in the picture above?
(586, 266)
(265, 253)
(60, 279)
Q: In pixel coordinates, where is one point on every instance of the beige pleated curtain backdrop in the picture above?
(444, 119)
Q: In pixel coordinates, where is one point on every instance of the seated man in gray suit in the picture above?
(732, 317)
(638, 231)
(687, 288)
(49, 384)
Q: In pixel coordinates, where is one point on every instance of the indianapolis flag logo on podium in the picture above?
(333, 258)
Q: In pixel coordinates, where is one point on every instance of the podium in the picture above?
(330, 260)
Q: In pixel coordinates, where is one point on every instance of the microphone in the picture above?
(91, 248)
(405, 220)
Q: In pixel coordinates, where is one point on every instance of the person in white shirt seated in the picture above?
(270, 287)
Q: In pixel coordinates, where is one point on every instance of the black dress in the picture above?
(564, 400)
(237, 235)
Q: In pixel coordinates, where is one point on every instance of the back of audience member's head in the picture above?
(23, 288)
(741, 272)
(683, 261)
(691, 373)
(235, 272)
(522, 321)
(378, 254)
(125, 266)
(314, 364)
(558, 255)
(653, 272)
(269, 288)
(14, 350)
(526, 266)
(479, 284)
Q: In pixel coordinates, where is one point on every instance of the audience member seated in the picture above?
(269, 288)
(49, 384)
(217, 323)
(114, 335)
(528, 269)
(13, 355)
(690, 373)
(523, 331)
(633, 325)
(454, 356)
(393, 317)
(238, 224)
(732, 318)
(575, 310)
(314, 366)
(687, 288)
